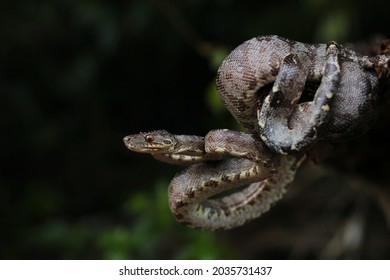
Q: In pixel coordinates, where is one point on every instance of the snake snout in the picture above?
(127, 141)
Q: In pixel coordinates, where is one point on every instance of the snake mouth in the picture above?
(160, 149)
(148, 149)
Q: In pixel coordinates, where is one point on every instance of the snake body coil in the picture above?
(265, 83)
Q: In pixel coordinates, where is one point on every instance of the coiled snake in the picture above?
(262, 83)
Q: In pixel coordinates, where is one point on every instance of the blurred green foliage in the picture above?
(77, 76)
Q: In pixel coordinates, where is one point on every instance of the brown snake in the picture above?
(226, 159)
(221, 161)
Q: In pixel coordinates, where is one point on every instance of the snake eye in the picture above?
(149, 138)
(167, 142)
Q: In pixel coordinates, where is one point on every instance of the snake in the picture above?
(273, 76)
(287, 95)
(221, 161)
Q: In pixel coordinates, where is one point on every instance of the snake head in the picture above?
(154, 142)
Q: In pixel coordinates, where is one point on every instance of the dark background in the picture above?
(77, 76)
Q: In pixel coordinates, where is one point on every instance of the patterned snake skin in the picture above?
(287, 95)
(269, 74)
(221, 161)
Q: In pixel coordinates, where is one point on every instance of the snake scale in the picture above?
(287, 95)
